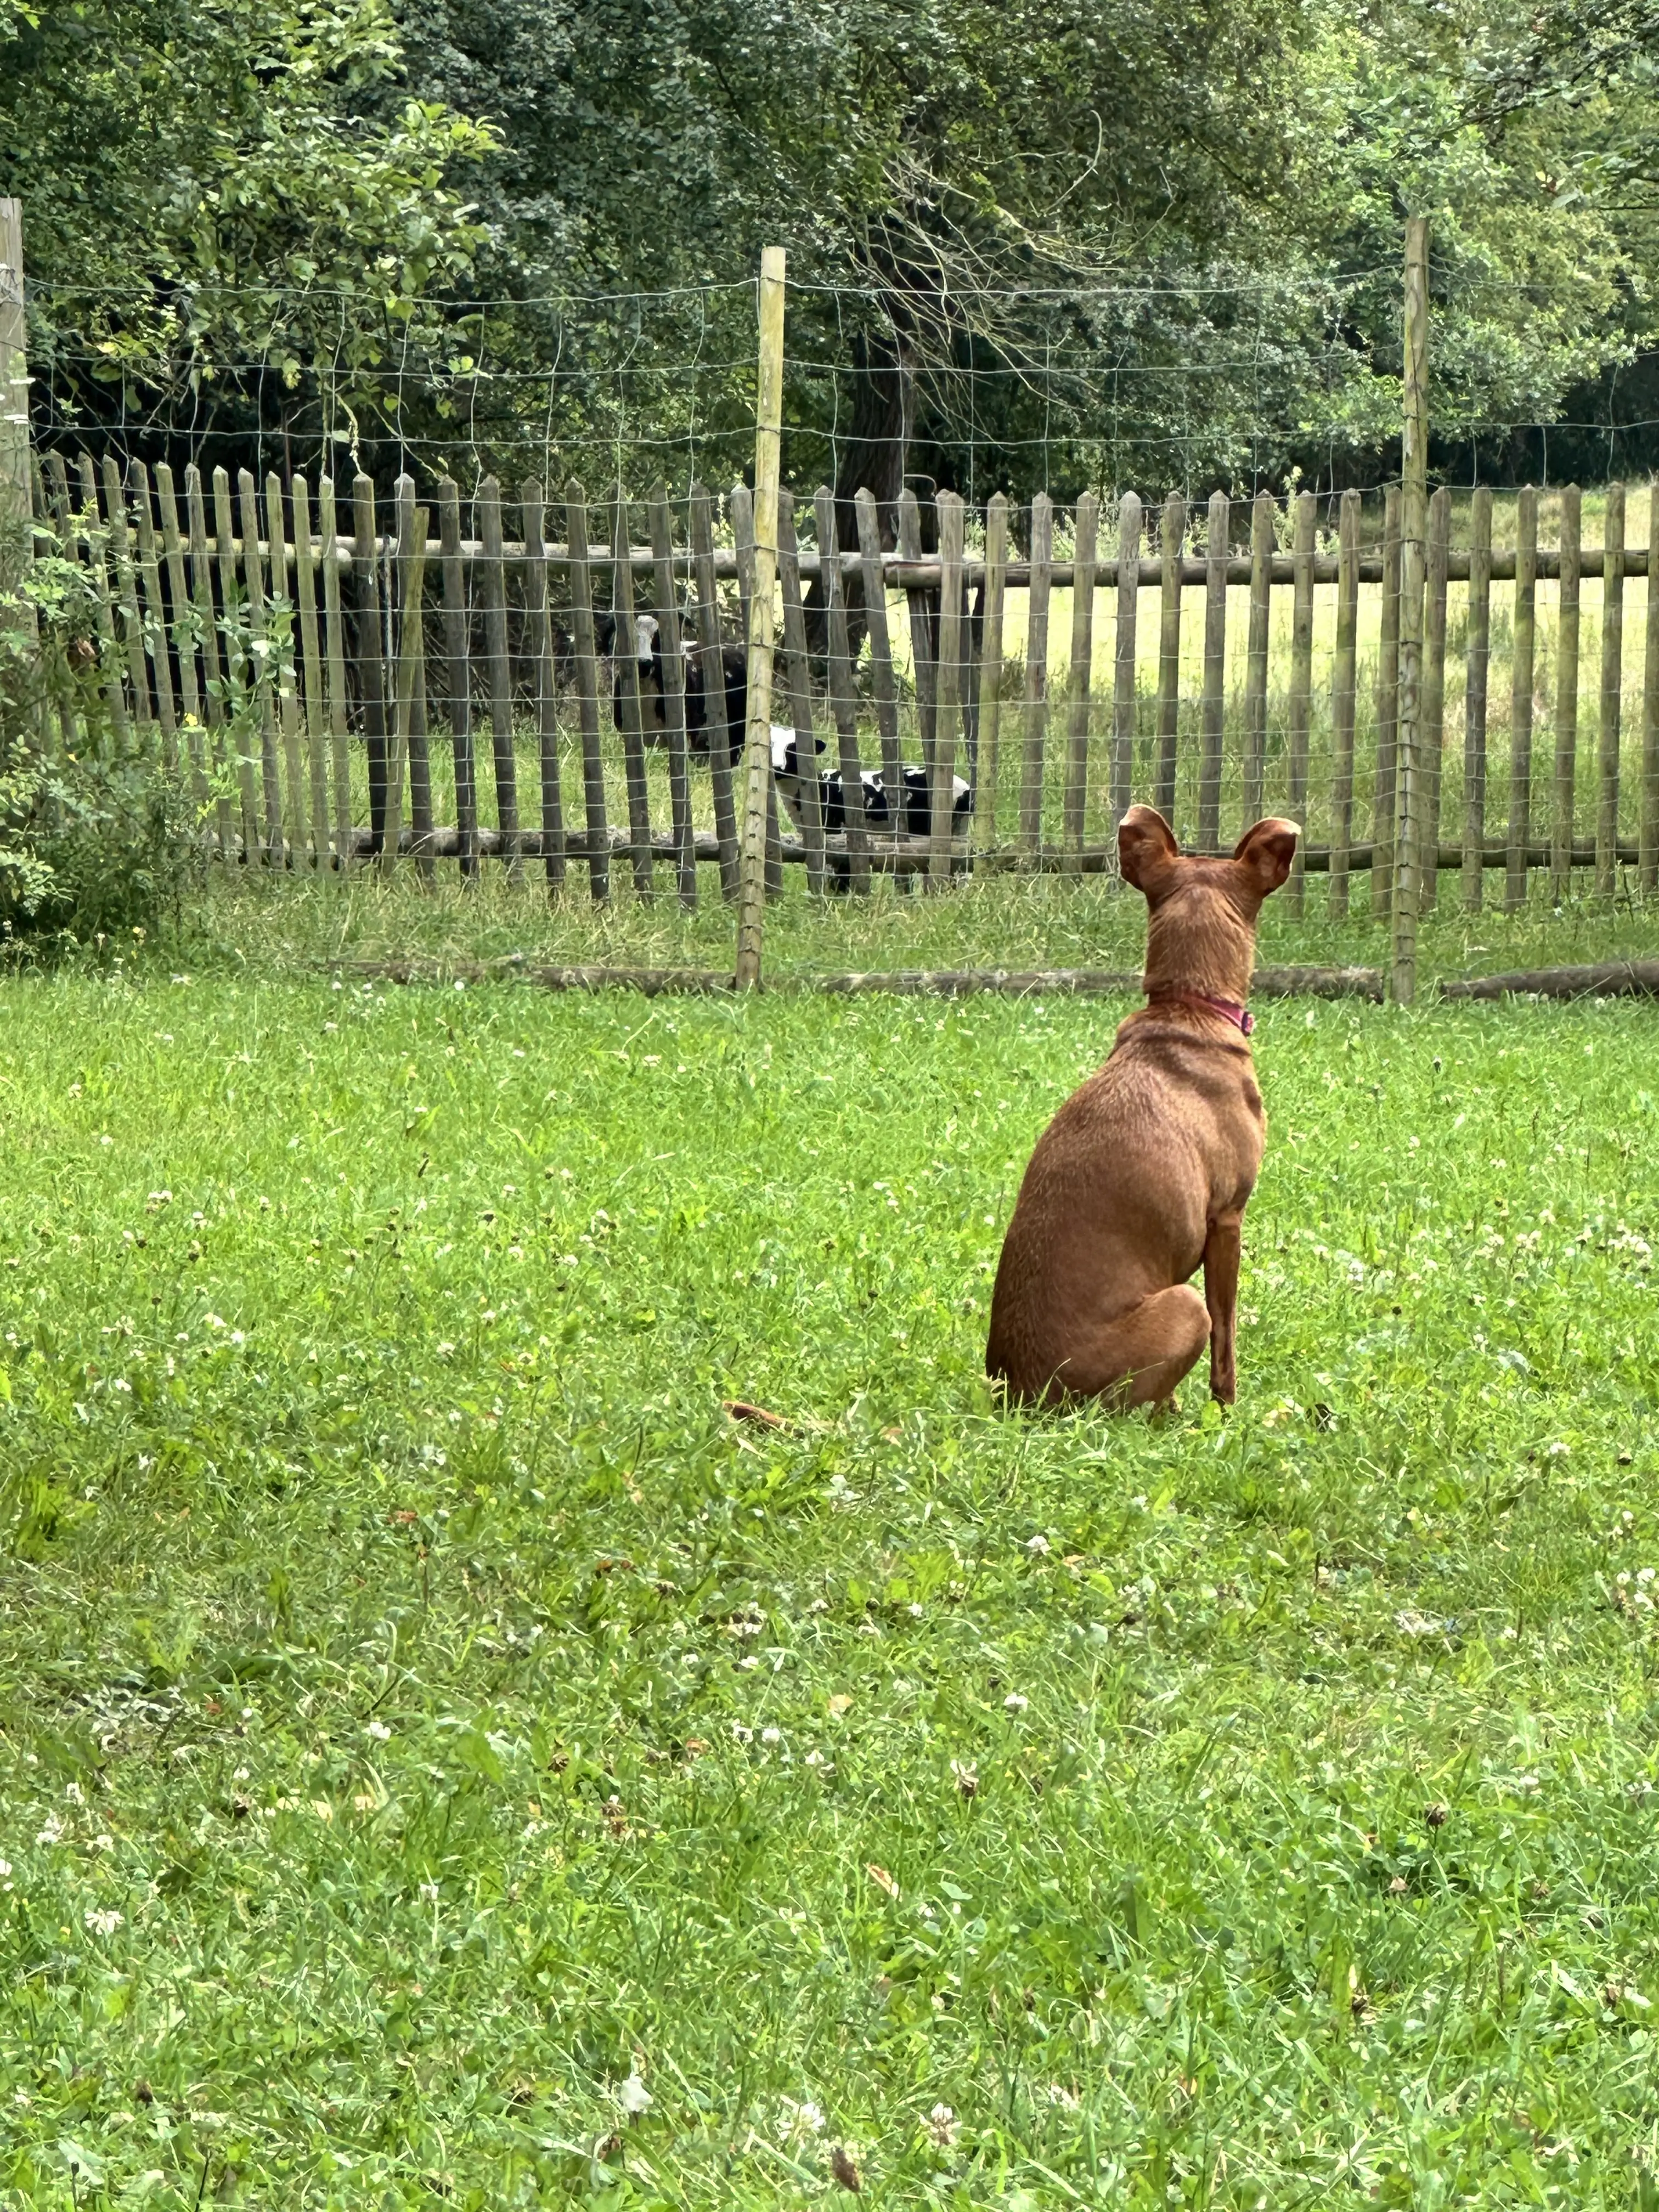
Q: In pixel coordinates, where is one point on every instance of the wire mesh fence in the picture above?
(551, 685)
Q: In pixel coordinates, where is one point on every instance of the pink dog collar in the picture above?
(1241, 1017)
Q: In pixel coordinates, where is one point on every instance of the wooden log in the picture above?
(1434, 690)
(742, 507)
(1525, 631)
(882, 683)
(340, 750)
(587, 697)
(498, 673)
(155, 614)
(628, 677)
(410, 573)
(1255, 655)
(1477, 661)
(1214, 725)
(1607, 980)
(1613, 672)
(921, 603)
(1086, 523)
(1036, 676)
(371, 665)
(843, 698)
(1122, 784)
(797, 691)
(987, 769)
(949, 687)
(314, 688)
(1173, 533)
(458, 632)
(1388, 709)
(411, 539)
(1566, 693)
(126, 597)
(263, 680)
(711, 652)
(186, 634)
(214, 692)
(1648, 857)
(673, 695)
(1305, 517)
(283, 672)
(532, 506)
(1345, 684)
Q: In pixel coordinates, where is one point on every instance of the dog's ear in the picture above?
(1146, 850)
(1265, 853)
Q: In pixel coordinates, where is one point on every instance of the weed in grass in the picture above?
(444, 1756)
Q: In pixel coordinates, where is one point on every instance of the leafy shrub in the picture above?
(96, 835)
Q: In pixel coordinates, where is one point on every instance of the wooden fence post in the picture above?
(15, 499)
(1215, 674)
(1647, 849)
(757, 748)
(1413, 548)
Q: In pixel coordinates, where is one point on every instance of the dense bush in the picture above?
(96, 835)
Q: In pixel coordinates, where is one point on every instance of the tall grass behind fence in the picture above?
(425, 686)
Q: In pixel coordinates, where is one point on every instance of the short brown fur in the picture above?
(1145, 1170)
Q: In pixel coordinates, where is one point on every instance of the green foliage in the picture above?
(95, 835)
(209, 213)
(426, 1714)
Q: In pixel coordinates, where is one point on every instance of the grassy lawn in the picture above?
(430, 1728)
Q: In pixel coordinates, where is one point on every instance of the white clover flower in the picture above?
(633, 2096)
(943, 2126)
(53, 1830)
(379, 1731)
(771, 1735)
(1038, 1546)
(1013, 1703)
(102, 1923)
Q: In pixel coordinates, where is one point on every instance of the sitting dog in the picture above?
(1147, 1168)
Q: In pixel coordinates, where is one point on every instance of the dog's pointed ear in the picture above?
(1146, 850)
(1265, 853)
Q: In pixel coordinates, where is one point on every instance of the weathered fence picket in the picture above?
(1213, 727)
(587, 693)
(1523, 650)
(1477, 657)
(1612, 651)
(1344, 673)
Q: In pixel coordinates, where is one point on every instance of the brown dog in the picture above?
(1148, 1168)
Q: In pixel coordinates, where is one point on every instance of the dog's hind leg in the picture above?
(1138, 1357)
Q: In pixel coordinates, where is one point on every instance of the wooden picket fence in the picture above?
(327, 689)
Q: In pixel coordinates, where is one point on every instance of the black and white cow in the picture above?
(653, 707)
(917, 810)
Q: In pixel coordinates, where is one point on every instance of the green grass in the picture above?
(424, 1711)
(250, 925)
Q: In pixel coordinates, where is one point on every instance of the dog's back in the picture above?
(1155, 1157)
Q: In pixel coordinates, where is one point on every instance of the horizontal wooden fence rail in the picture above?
(341, 679)
(902, 574)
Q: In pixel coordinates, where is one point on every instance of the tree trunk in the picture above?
(872, 457)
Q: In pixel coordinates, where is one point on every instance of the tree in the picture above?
(222, 244)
